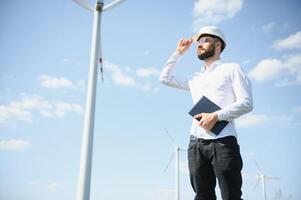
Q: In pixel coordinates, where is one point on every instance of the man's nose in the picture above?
(200, 46)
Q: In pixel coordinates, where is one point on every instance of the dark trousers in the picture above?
(211, 159)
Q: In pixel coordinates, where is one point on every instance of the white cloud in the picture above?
(54, 185)
(59, 83)
(291, 42)
(31, 102)
(22, 110)
(122, 77)
(214, 11)
(293, 64)
(147, 87)
(249, 120)
(71, 62)
(8, 112)
(77, 108)
(267, 69)
(284, 72)
(268, 27)
(14, 145)
(60, 109)
(118, 76)
(146, 72)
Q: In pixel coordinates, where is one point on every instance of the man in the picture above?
(213, 156)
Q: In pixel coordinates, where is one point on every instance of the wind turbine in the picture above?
(176, 152)
(262, 177)
(84, 181)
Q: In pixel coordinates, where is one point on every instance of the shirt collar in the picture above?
(212, 66)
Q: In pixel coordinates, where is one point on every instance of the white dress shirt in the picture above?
(225, 84)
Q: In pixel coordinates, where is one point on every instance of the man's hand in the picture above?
(207, 121)
(183, 46)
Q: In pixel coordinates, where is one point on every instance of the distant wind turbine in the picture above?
(84, 181)
(262, 177)
(176, 152)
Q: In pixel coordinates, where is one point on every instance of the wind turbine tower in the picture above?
(84, 181)
(262, 177)
(176, 153)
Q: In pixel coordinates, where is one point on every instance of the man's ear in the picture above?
(218, 44)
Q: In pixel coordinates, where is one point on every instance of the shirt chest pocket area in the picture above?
(220, 84)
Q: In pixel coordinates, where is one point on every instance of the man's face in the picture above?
(205, 47)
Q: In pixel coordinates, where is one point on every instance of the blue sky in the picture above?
(45, 50)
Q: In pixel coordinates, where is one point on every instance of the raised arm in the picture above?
(167, 77)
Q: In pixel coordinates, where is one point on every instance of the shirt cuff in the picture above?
(221, 115)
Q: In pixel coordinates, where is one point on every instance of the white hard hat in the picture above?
(210, 30)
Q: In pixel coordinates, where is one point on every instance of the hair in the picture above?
(222, 42)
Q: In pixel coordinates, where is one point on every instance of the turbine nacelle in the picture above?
(85, 4)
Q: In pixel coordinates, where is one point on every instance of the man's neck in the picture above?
(210, 60)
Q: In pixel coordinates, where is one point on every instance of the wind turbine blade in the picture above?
(171, 158)
(258, 168)
(84, 4)
(256, 184)
(170, 138)
(112, 5)
(275, 178)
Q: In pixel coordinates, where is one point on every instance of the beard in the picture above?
(207, 53)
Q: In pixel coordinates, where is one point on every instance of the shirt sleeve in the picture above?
(243, 96)
(167, 77)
